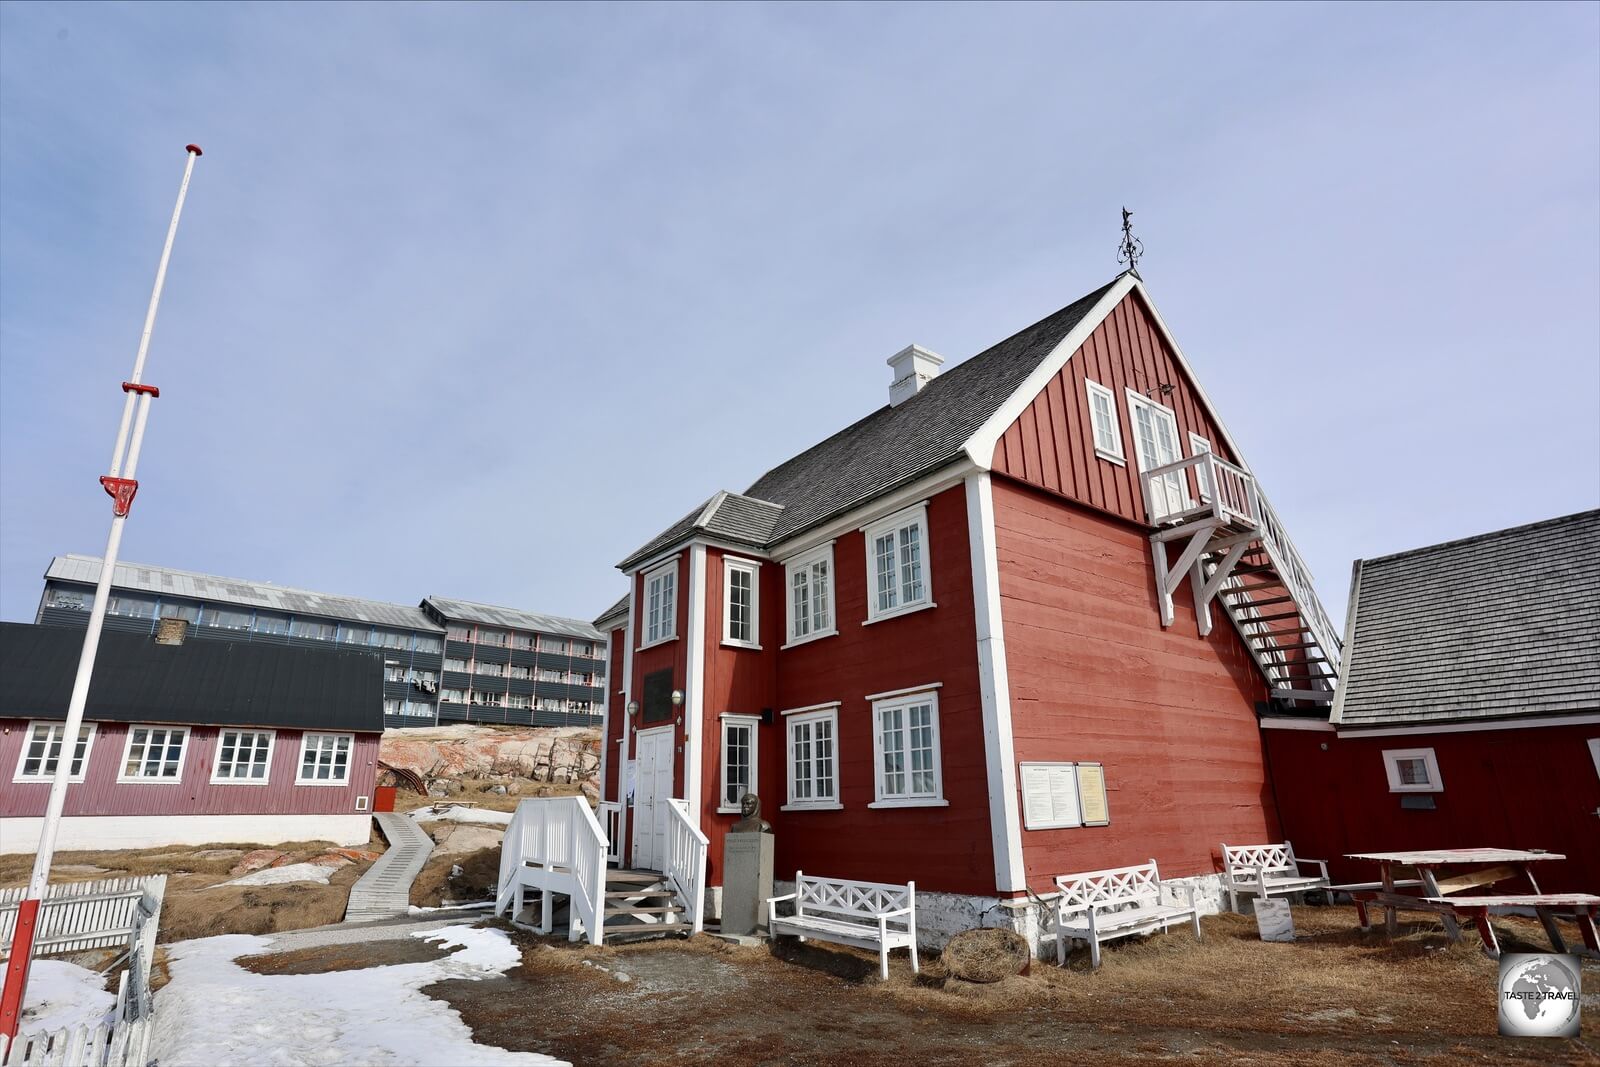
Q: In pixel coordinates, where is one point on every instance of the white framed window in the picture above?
(496, 670)
(1202, 473)
(741, 602)
(809, 581)
(324, 759)
(154, 754)
(905, 751)
(459, 666)
(1103, 419)
(519, 700)
(897, 564)
(1412, 770)
(41, 752)
(661, 604)
(813, 758)
(1156, 444)
(244, 757)
(738, 760)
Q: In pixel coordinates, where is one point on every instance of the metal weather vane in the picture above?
(1131, 247)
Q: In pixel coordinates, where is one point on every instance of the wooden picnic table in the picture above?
(1443, 872)
(1581, 906)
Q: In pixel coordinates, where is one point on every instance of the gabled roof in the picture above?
(168, 581)
(1499, 626)
(201, 683)
(614, 616)
(893, 445)
(743, 520)
(511, 618)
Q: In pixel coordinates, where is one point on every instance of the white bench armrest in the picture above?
(786, 896)
(896, 912)
(1321, 864)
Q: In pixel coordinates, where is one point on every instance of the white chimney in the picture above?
(914, 367)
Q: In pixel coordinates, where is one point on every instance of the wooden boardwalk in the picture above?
(385, 890)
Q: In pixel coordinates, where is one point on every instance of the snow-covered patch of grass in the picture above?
(62, 994)
(289, 872)
(214, 1011)
(457, 813)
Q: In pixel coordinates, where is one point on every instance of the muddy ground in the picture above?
(1335, 996)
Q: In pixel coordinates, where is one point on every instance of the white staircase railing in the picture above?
(610, 812)
(685, 865)
(1297, 579)
(555, 845)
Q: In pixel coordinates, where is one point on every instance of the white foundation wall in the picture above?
(103, 832)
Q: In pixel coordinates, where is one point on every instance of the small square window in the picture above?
(1412, 770)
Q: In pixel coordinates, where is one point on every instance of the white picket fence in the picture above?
(110, 913)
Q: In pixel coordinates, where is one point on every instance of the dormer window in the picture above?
(897, 564)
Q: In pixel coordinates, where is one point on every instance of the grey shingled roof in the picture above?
(616, 614)
(895, 445)
(512, 619)
(168, 581)
(726, 517)
(1499, 626)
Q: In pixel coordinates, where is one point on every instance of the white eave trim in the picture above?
(812, 707)
(1353, 732)
(1280, 723)
(880, 507)
(930, 687)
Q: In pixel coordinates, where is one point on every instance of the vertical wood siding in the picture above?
(1095, 678)
(1051, 444)
(669, 655)
(618, 705)
(1529, 788)
(101, 793)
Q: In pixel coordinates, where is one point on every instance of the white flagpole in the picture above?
(121, 485)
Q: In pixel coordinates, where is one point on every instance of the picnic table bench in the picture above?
(1265, 870)
(1099, 906)
(1442, 873)
(1547, 906)
(862, 914)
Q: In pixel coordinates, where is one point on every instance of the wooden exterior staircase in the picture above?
(1216, 530)
(638, 905)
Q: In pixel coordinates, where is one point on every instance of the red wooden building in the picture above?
(1017, 623)
(1468, 709)
(189, 743)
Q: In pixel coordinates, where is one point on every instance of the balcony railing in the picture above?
(1226, 492)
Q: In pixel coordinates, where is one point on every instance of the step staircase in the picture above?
(638, 905)
(384, 892)
(1231, 546)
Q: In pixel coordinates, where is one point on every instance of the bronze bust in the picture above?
(752, 822)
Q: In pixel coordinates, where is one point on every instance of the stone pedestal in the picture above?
(746, 882)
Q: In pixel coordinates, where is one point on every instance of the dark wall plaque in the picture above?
(658, 696)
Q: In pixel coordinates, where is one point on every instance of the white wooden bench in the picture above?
(1267, 870)
(1099, 906)
(862, 914)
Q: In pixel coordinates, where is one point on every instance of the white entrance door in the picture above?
(1155, 438)
(652, 790)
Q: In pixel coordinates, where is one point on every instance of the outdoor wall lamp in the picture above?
(633, 709)
(677, 698)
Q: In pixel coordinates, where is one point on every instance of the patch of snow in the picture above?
(214, 1011)
(62, 994)
(479, 905)
(289, 872)
(457, 813)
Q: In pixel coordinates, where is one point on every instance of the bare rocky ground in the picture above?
(1335, 996)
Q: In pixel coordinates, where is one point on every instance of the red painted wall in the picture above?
(616, 712)
(668, 655)
(1529, 788)
(100, 793)
(1095, 678)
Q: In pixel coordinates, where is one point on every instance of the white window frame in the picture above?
(300, 759)
(805, 716)
(916, 515)
(1391, 767)
(907, 799)
(808, 561)
(668, 622)
(124, 778)
(751, 567)
(53, 724)
(272, 744)
(753, 724)
(1118, 455)
(1175, 481)
(1202, 471)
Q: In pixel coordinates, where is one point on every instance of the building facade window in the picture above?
(897, 564)
(189, 613)
(496, 638)
(1156, 444)
(354, 635)
(809, 579)
(519, 671)
(419, 709)
(225, 618)
(453, 696)
(495, 670)
(243, 756)
(72, 599)
(813, 759)
(558, 645)
(270, 623)
(486, 700)
(741, 600)
(458, 632)
(552, 704)
(392, 639)
(325, 759)
(429, 643)
(661, 604)
(310, 629)
(583, 648)
(1412, 770)
(154, 754)
(906, 751)
(518, 700)
(131, 605)
(459, 666)
(1103, 418)
(738, 760)
(41, 752)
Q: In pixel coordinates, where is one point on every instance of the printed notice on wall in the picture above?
(1049, 796)
(1092, 794)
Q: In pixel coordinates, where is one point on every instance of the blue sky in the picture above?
(474, 300)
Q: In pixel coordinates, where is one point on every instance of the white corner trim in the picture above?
(1278, 722)
(994, 686)
(811, 708)
(693, 742)
(907, 691)
(1336, 715)
(605, 716)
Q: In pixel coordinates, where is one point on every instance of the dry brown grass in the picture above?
(436, 883)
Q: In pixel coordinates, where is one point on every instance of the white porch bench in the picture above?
(1099, 906)
(1266, 871)
(861, 914)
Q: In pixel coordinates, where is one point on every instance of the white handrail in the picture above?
(686, 861)
(1297, 576)
(610, 812)
(555, 845)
